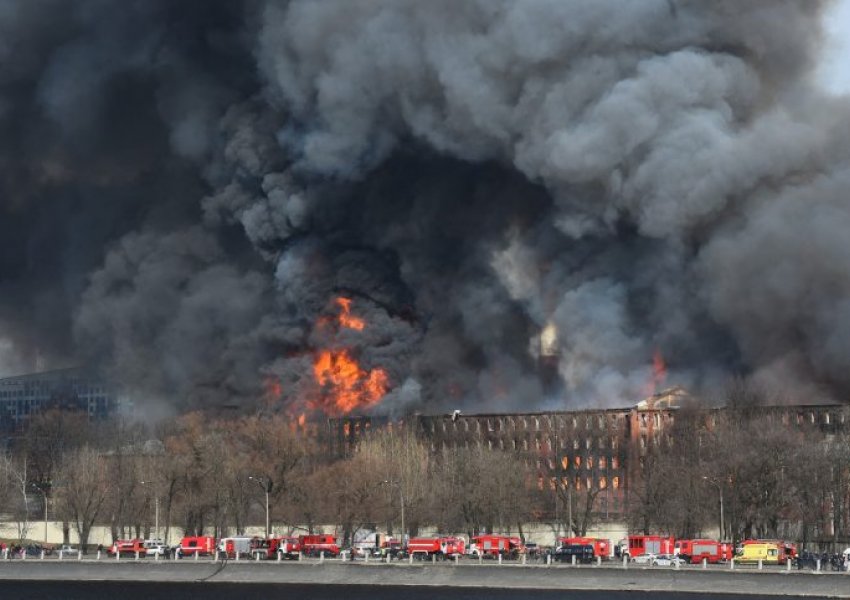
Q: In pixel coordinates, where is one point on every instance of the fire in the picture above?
(346, 319)
(341, 384)
(273, 389)
(346, 385)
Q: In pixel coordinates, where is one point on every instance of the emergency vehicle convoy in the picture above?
(649, 549)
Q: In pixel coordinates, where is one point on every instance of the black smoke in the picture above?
(187, 186)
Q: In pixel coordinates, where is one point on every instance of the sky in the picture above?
(834, 73)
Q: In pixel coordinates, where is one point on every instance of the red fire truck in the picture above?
(286, 547)
(442, 547)
(495, 545)
(694, 551)
(638, 545)
(128, 548)
(601, 547)
(200, 545)
(315, 545)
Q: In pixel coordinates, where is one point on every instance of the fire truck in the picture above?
(286, 547)
(200, 545)
(494, 545)
(441, 547)
(128, 548)
(601, 547)
(638, 545)
(232, 547)
(694, 551)
(315, 545)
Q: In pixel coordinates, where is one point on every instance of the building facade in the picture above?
(78, 389)
(599, 450)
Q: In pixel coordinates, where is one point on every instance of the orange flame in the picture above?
(346, 319)
(347, 386)
(273, 389)
(302, 419)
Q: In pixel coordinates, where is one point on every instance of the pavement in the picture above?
(775, 581)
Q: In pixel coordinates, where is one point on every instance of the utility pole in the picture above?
(716, 483)
(401, 499)
(44, 497)
(265, 485)
(155, 511)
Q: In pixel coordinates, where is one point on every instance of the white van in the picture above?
(156, 547)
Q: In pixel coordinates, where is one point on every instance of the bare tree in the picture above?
(16, 489)
(83, 490)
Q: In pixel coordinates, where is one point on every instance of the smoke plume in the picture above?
(189, 187)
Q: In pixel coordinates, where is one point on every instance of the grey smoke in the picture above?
(188, 186)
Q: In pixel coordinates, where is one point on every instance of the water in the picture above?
(123, 590)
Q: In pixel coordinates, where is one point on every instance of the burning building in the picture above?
(585, 449)
(501, 207)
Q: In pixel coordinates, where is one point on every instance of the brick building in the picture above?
(574, 449)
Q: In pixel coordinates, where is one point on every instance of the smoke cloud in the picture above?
(187, 187)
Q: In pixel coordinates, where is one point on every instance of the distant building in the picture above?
(595, 448)
(78, 389)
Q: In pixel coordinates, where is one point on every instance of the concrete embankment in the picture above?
(823, 585)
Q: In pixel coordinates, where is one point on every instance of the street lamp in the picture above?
(716, 484)
(401, 498)
(265, 485)
(44, 496)
(156, 512)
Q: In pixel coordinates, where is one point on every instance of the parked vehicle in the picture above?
(200, 545)
(667, 560)
(583, 553)
(128, 548)
(233, 547)
(288, 547)
(769, 552)
(601, 546)
(442, 547)
(368, 544)
(638, 545)
(66, 550)
(492, 546)
(643, 559)
(156, 547)
(392, 548)
(315, 545)
(695, 551)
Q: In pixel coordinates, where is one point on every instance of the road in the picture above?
(97, 590)
(469, 577)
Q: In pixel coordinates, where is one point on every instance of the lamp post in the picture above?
(265, 485)
(156, 511)
(44, 496)
(401, 499)
(716, 484)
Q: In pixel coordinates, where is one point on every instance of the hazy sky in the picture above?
(835, 71)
